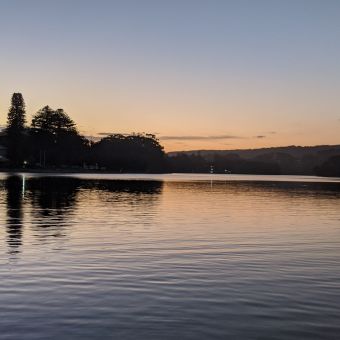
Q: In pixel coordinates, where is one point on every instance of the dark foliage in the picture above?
(221, 164)
(53, 122)
(16, 135)
(129, 153)
(188, 163)
(291, 160)
(330, 168)
(52, 141)
(16, 115)
(55, 141)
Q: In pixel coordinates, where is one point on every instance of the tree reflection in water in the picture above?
(47, 204)
(14, 186)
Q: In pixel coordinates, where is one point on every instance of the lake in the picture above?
(169, 257)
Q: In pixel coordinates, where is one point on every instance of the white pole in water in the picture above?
(211, 172)
(23, 185)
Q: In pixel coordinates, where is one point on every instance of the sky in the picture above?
(212, 74)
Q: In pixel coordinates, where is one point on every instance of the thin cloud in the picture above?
(109, 133)
(104, 133)
(192, 137)
(213, 137)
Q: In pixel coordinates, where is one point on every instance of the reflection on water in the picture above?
(86, 257)
(14, 196)
(53, 200)
(52, 196)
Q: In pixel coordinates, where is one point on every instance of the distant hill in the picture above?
(303, 160)
(293, 150)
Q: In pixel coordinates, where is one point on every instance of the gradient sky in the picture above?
(211, 74)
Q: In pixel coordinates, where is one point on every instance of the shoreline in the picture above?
(106, 172)
(74, 171)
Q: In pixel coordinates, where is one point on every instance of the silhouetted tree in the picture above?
(129, 153)
(16, 115)
(55, 139)
(15, 130)
(53, 121)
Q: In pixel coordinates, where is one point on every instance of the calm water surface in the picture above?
(169, 257)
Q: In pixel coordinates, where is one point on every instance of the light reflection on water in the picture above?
(86, 257)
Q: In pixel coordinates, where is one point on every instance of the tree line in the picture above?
(321, 163)
(52, 140)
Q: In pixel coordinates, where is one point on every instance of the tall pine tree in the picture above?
(16, 130)
(17, 115)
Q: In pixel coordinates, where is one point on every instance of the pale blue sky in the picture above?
(226, 71)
